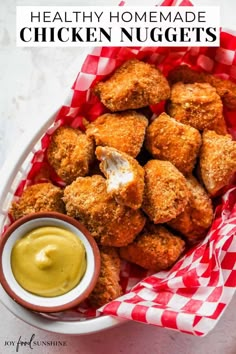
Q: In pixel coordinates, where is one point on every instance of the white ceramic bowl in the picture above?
(57, 303)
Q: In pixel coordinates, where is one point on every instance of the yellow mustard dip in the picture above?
(48, 261)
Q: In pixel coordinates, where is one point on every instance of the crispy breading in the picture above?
(198, 105)
(165, 193)
(125, 177)
(133, 85)
(217, 161)
(168, 139)
(70, 153)
(107, 287)
(123, 131)
(183, 73)
(197, 216)
(38, 197)
(111, 223)
(154, 249)
(226, 89)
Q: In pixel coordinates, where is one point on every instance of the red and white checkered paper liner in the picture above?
(191, 296)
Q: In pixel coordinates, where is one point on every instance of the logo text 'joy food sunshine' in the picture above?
(21, 344)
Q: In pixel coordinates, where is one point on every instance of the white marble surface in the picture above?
(32, 83)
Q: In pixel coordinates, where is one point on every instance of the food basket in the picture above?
(190, 297)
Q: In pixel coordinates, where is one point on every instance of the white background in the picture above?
(34, 81)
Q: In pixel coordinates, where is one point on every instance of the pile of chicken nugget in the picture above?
(142, 186)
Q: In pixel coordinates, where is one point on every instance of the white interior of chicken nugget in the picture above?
(118, 170)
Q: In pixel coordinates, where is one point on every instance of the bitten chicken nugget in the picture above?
(107, 287)
(197, 216)
(197, 105)
(123, 131)
(133, 85)
(70, 153)
(226, 89)
(167, 139)
(154, 249)
(217, 161)
(165, 192)
(125, 177)
(38, 197)
(111, 223)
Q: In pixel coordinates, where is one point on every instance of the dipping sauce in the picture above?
(48, 261)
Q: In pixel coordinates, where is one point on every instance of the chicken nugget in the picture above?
(217, 161)
(197, 216)
(70, 153)
(123, 131)
(133, 85)
(226, 89)
(110, 223)
(165, 192)
(197, 105)
(125, 177)
(167, 139)
(38, 197)
(183, 73)
(154, 249)
(107, 287)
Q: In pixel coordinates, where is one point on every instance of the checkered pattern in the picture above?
(191, 296)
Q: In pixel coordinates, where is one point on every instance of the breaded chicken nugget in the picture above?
(125, 177)
(111, 223)
(133, 85)
(183, 73)
(197, 216)
(70, 153)
(167, 139)
(226, 89)
(154, 249)
(165, 192)
(107, 287)
(217, 161)
(123, 131)
(38, 197)
(197, 105)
